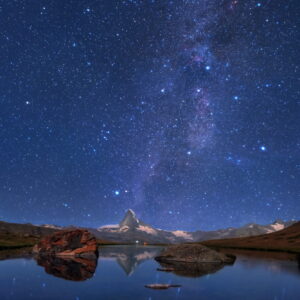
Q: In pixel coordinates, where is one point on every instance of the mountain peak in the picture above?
(278, 221)
(130, 219)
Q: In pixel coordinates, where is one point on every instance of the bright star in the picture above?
(117, 193)
(263, 148)
(207, 68)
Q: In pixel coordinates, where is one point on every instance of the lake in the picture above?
(122, 271)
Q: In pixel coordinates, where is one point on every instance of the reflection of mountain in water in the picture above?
(76, 269)
(129, 257)
(273, 266)
(275, 262)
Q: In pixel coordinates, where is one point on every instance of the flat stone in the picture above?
(158, 286)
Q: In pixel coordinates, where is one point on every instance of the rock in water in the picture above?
(68, 243)
(193, 253)
(161, 286)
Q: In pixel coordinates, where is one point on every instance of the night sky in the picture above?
(185, 111)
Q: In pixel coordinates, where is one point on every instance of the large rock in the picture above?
(193, 253)
(68, 243)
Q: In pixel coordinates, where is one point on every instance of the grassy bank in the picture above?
(9, 241)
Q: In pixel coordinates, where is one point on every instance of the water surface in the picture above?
(122, 271)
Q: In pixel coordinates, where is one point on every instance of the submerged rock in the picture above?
(193, 253)
(68, 243)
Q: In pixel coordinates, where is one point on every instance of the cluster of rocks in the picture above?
(67, 250)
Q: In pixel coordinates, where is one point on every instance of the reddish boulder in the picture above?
(68, 243)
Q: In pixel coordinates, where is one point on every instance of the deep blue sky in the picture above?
(185, 111)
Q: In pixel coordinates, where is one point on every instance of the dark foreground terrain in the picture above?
(287, 240)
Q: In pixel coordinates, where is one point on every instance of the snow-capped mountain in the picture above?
(250, 229)
(133, 230)
(51, 226)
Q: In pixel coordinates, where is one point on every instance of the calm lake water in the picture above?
(122, 272)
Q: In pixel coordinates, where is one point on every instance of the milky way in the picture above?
(185, 111)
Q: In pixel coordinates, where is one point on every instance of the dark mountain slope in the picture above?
(287, 239)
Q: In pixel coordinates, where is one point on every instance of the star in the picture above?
(152, 107)
(263, 148)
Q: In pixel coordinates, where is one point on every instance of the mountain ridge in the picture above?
(287, 239)
(133, 230)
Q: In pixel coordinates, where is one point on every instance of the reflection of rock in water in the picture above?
(129, 257)
(76, 269)
(192, 269)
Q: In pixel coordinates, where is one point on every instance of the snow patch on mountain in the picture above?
(277, 226)
(112, 226)
(182, 234)
(147, 229)
(50, 226)
(124, 228)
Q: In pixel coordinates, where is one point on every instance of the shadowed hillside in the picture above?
(13, 235)
(287, 239)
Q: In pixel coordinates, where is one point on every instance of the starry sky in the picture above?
(185, 111)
